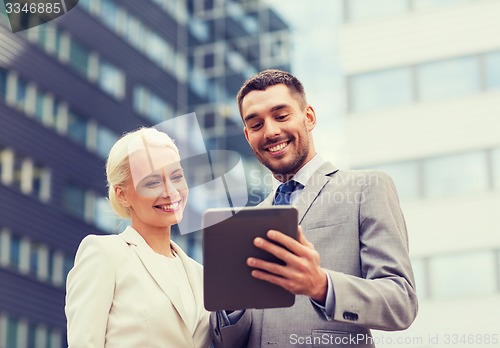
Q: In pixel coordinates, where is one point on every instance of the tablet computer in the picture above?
(228, 236)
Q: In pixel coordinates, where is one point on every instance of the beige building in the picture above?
(423, 89)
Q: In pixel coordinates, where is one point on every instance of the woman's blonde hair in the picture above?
(118, 166)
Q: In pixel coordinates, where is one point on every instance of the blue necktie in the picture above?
(284, 193)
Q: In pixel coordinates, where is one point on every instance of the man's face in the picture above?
(278, 129)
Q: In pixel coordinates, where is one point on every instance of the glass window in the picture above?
(74, 200)
(33, 261)
(18, 172)
(7, 160)
(181, 67)
(455, 174)
(109, 14)
(462, 274)
(3, 83)
(158, 109)
(199, 29)
(44, 108)
(68, 265)
(421, 4)
(77, 128)
(37, 180)
(20, 95)
(38, 260)
(135, 33)
(31, 336)
(105, 140)
(448, 79)
(111, 79)
(150, 105)
(49, 38)
(495, 159)
(79, 58)
(381, 89)
(159, 51)
(492, 70)
(12, 332)
(406, 178)
(40, 106)
(369, 9)
(105, 218)
(208, 60)
(50, 264)
(57, 268)
(15, 251)
(4, 247)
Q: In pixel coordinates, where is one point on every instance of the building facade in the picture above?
(68, 89)
(423, 87)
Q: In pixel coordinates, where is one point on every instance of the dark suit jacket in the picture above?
(354, 220)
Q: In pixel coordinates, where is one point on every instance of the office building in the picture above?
(68, 89)
(423, 87)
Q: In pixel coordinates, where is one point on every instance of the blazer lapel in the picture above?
(310, 192)
(148, 258)
(313, 187)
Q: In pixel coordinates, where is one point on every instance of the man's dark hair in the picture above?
(268, 78)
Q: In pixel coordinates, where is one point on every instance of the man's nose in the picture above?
(271, 130)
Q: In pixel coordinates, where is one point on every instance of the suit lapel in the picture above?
(313, 188)
(310, 192)
(148, 259)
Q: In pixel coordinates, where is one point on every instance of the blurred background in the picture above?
(411, 87)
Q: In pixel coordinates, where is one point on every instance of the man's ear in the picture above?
(310, 118)
(245, 130)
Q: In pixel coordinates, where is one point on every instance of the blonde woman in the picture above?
(138, 288)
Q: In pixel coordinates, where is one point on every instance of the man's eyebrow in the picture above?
(273, 109)
(278, 107)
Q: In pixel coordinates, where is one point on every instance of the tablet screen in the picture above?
(228, 242)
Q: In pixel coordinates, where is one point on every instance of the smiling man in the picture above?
(350, 264)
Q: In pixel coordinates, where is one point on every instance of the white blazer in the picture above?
(118, 296)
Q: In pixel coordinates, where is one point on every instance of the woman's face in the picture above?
(156, 191)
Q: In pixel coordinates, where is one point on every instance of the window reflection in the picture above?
(463, 274)
(79, 58)
(421, 4)
(492, 68)
(446, 79)
(105, 140)
(104, 216)
(12, 332)
(3, 83)
(77, 128)
(456, 174)
(381, 89)
(495, 160)
(111, 79)
(74, 200)
(15, 251)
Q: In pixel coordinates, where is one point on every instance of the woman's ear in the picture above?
(121, 196)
